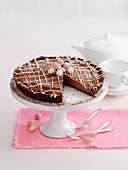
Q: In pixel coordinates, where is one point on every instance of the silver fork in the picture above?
(100, 130)
(84, 136)
(86, 122)
(92, 135)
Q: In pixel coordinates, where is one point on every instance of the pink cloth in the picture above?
(117, 139)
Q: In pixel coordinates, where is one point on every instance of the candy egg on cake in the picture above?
(51, 70)
(66, 65)
(63, 69)
(70, 70)
(59, 72)
(56, 65)
(61, 62)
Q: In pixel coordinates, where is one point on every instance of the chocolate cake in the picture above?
(43, 79)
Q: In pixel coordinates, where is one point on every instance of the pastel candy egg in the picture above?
(59, 72)
(61, 62)
(66, 65)
(56, 65)
(30, 122)
(32, 127)
(51, 70)
(63, 69)
(70, 70)
(38, 116)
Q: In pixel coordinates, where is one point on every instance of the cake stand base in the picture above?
(58, 126)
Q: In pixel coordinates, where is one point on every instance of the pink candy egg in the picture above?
(66, 65)
(63, 69)
(61, 62)
(56, 65)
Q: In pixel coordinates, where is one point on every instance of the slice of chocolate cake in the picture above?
(44, 78)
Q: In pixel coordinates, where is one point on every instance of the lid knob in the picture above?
(107, 36)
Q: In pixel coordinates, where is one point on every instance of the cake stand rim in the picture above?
(57, 107)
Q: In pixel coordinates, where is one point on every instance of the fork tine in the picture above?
(87, 138)
(90, 138)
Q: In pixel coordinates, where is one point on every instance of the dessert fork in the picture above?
(89, 136)
(84, 136)
(92, 135)
(86, 122)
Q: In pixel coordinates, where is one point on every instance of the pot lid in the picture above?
(106, 42)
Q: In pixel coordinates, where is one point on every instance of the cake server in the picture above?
(86, 122)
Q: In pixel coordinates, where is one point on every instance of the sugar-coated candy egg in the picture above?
(70, 70)
(66, 65)
(56, 65)
(30, 122)
(51, 70)
(32, 127)
(59, 72)
(63, 69)
(38, 116)
(61, 62)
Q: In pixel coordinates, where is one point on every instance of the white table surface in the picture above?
(20, 41)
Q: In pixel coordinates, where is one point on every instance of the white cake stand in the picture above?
(59, 126)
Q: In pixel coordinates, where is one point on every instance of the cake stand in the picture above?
(59, 126)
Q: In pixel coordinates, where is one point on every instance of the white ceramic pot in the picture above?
(105, 47)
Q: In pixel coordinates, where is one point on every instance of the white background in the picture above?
(29, 28)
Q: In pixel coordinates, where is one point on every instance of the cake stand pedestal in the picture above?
(59, 126)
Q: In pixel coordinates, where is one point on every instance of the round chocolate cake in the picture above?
(44, 78)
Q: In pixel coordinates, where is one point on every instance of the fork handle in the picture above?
(92, 115)
(104, 125)
(105, 130)
(89, 118)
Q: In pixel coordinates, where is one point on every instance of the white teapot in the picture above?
(105, 47)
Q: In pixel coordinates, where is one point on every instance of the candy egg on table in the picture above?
(51, 70)
(38, 116)
(56, 65)
(59, 72)
(61, 62)
(70, 70)
(30, 122)
(66, 65)
(32, 127)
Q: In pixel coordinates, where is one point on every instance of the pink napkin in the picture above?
(117, 139)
